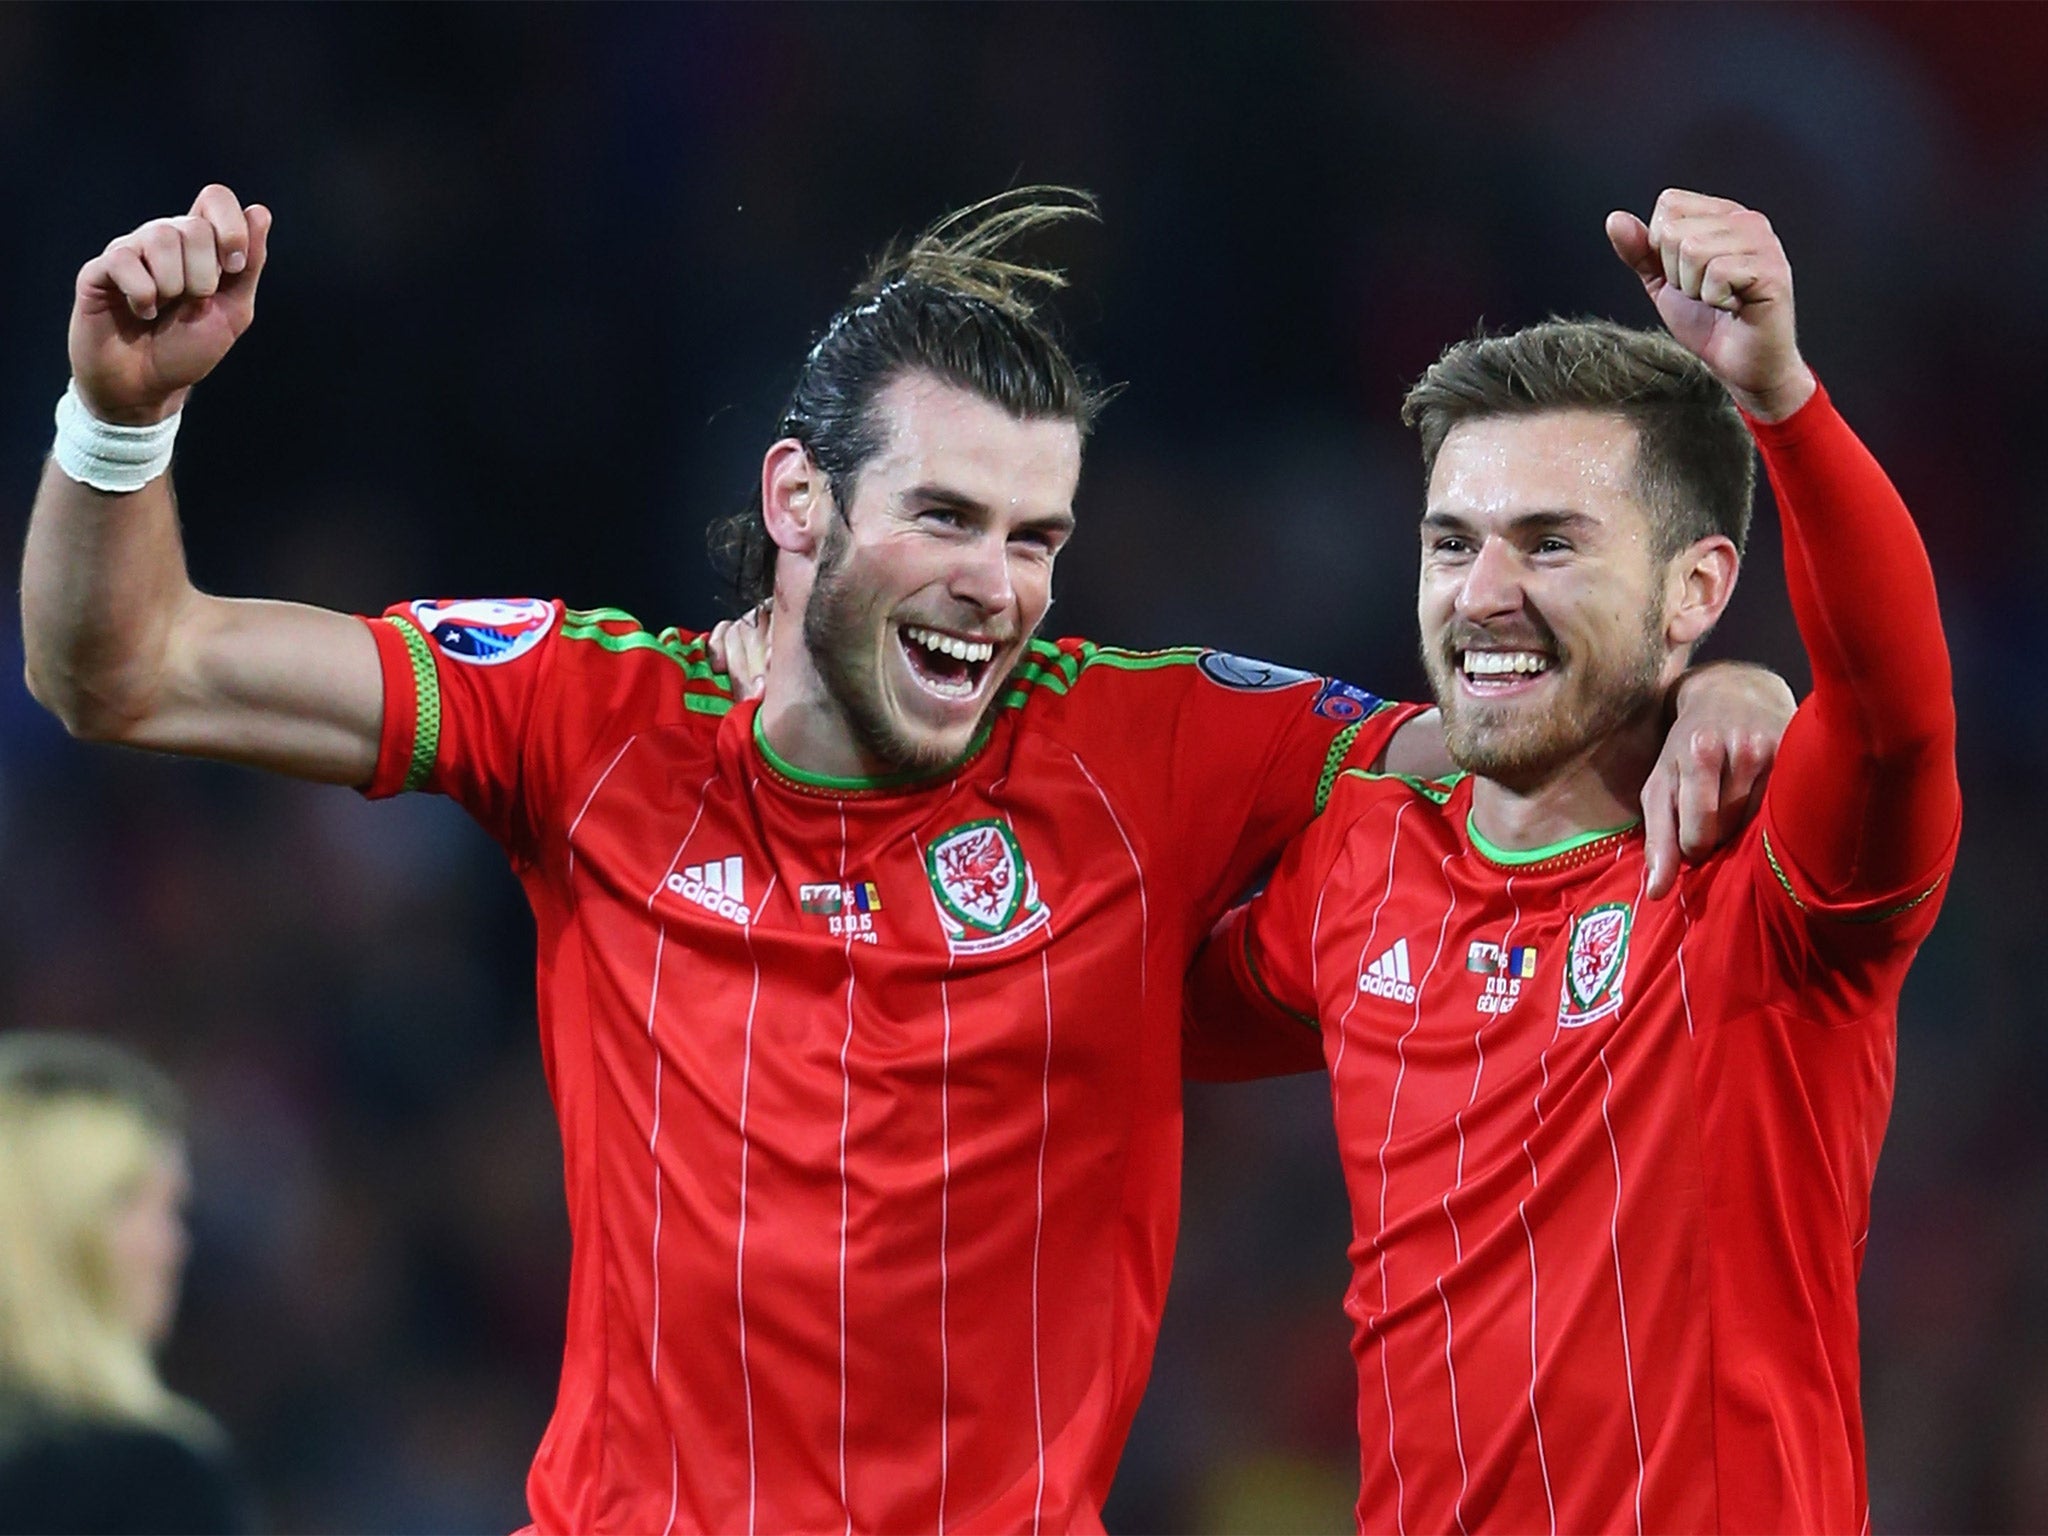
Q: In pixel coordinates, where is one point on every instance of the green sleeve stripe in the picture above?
(1884, 916)
(426, 692)
(1340, 748)
(1056, 670)
(1251, 968)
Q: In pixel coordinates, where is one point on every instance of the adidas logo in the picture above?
(1388, 976)
(719, 886)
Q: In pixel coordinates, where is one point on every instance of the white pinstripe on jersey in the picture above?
(845, 1213)
(1336, 1104)
(1038, 1233)
(740, 1245)
(570, 836)
(1144, 907)
(1614, 1234)
(1457, 1238)
(654, 1127)
(1415, 1022)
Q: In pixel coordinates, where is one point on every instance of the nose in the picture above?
(1493, 582)
(982, 576)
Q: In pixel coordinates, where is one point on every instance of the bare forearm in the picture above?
(119, 643)
(122, 647)
(103, 588)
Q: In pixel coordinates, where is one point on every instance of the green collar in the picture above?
(833, 784)
(1517, 857)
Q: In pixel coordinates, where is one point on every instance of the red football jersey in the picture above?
(1609, 1164)
(869, 1092)
(1609, 1160)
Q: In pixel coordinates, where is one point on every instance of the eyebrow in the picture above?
(1543, 521)
(943, 496)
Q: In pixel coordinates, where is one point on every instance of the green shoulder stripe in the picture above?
(1049, 668)
(706, 690)
(1137, 661)
(1437, 791)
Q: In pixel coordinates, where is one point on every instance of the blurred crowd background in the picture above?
(539, 282)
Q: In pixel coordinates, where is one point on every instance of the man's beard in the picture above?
(1523, 747)
(840, 622)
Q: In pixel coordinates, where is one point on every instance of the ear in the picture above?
(1697, 585)
(796, 501)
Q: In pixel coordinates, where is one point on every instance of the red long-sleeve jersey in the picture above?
(1609, 1160)
(869, 1092)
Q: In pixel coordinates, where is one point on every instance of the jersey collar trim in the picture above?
(832, 784)
(1521, 858)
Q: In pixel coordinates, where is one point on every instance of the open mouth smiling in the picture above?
(1491, 673)
(947, 666)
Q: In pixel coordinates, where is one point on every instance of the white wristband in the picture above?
(107, 457)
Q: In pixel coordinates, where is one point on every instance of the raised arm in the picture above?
(1869, 760)
(119, 643)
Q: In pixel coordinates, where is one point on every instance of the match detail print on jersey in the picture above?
(848, 909)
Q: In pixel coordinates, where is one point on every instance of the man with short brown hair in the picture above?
(1609, 1158)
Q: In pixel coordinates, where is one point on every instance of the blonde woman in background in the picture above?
(93, 1183)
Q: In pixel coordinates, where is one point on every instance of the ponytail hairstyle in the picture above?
(953, 304)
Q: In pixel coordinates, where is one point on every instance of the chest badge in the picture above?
(983, 887)
(1594, 968)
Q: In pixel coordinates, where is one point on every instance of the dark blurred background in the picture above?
(539, 280)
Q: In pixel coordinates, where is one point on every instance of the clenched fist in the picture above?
(160, 307)
(1719, 277)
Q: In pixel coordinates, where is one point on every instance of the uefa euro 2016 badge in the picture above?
(983, 887)
(485, 631)
(1595, 965)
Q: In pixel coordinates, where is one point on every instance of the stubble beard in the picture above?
(1523, 748)
(841, 620)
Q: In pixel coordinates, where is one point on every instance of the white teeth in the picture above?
(1504, 663)
(950, 645)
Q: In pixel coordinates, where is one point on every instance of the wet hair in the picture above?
(1695, 466)
(953, 304)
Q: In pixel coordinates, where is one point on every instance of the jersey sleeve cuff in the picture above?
(412, 707)
(1815, 418)
(1859, 908)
